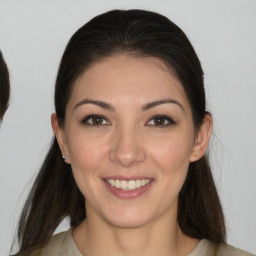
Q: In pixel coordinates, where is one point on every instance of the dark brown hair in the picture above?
(4, 86)
(55, 194)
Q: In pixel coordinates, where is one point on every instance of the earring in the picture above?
(64, 157)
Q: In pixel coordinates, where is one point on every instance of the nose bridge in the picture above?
(127, 146)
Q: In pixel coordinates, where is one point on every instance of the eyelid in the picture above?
(88, 117)
(168, 118)
(170, 121)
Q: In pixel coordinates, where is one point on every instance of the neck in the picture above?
(160, 237)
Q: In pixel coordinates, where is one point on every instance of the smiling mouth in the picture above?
(128, 185)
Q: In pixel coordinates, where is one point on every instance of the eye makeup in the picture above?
(160, 121)
(95, 120)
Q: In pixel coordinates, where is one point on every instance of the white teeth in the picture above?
(131, 184)
(138, 183)
(116, 184)
(123, 184)
(127, 185)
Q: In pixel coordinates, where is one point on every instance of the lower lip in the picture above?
(128, 194)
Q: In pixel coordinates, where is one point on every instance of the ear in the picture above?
(202, 139)
(60, 136)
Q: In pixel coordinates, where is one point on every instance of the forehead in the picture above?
(128, 78)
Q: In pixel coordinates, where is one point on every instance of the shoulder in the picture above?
(209, 248)
(226, 249)
(61, 244)
(56, 244)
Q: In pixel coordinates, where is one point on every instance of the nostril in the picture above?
(127, 157)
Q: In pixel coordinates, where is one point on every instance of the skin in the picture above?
(129, 143)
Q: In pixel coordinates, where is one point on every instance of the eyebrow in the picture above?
(144, 107)
(160, 102)
(95, 102)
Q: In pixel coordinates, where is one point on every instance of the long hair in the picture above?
(4, 86)
(55, 194)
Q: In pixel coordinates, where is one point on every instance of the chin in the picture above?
(128, 219)
(125, 223)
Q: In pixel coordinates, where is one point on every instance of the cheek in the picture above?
(171, 158)
(84, 149)
(86, 156)
(172, 152)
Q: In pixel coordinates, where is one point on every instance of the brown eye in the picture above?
(95, 120)
(160, 121)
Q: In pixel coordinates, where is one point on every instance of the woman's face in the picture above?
(129, 138)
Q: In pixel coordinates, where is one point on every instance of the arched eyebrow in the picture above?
(160, 102)
(98, 103)
(145, 107)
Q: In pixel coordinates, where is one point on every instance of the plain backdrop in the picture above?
(33, 35)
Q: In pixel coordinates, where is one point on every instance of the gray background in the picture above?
(33, 35)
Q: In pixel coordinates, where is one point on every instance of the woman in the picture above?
(127, 164)
(4, 86)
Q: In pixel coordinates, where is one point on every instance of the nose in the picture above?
(127, 148)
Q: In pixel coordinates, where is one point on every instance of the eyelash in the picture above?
(167, 121)
(85, 120)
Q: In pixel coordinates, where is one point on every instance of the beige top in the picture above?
(63, 244)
